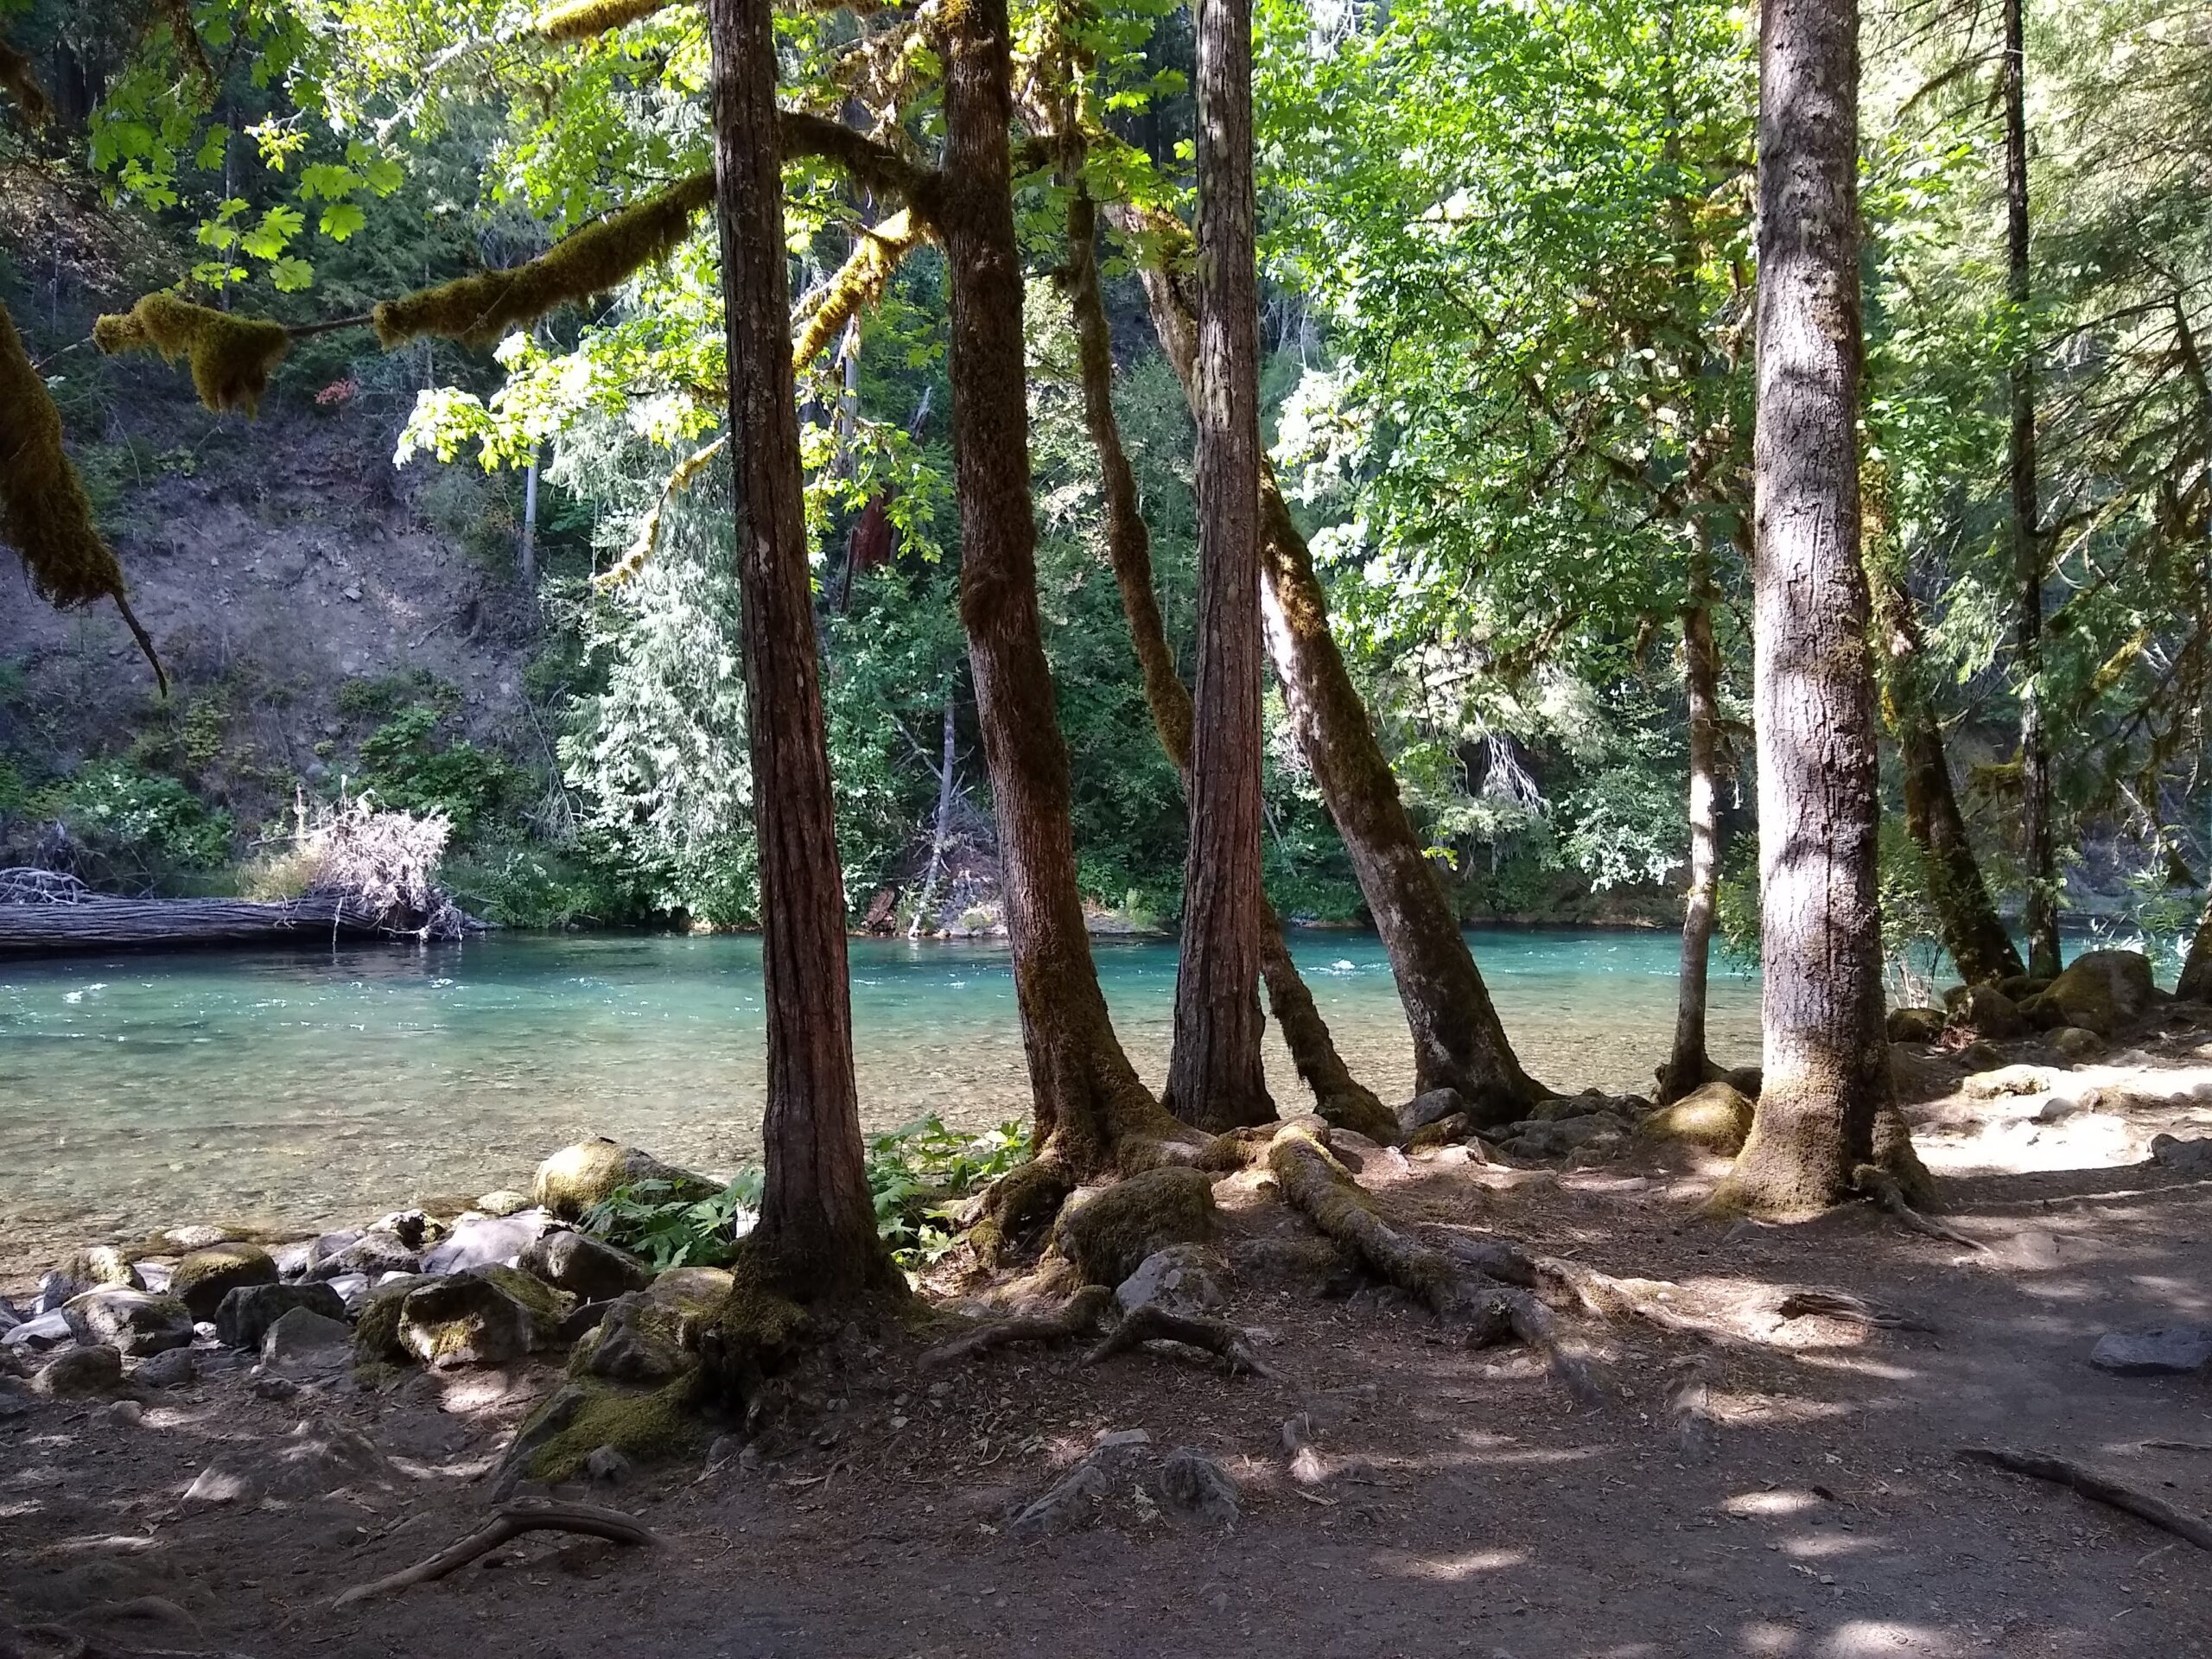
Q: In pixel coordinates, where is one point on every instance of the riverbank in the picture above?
(1745, 1481)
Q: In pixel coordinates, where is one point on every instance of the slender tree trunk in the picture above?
(2042, 913)
(2196, 983)
(1827, 1106)
(528, 552)
(1337, 1096)
(818, 1222)
(1214, 1076)
(1093, 1114)
(944, 832)
(1978, 946)
(1686, 1068)
(1459, 1042)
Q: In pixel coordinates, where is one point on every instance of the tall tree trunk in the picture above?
(1978, 946)
(2041, 914)
(1337, 1096)
(1214, 1076)
(1459, 1042)
(817, 1220)
(1827, 1106)
(1686, 1066)
(2196, 983)
(528, 551)
(1093, 1114)
(943, 831)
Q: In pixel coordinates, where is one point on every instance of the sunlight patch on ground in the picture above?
(1865, 1638)
(1451, 1569)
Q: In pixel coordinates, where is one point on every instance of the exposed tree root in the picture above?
(1322, 1190)
(1015, 1203)
(1879, 1185)
(1079, 1316)
(512, 1521)
(2094, 1487)
(1153, 1323)
(1505, 1310)
(1838, 1305)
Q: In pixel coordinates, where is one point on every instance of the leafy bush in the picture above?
(404, 764)
(143, 824)
(917, 1176)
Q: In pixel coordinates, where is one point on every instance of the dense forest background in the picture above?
(1513, 418)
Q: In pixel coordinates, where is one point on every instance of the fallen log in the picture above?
(96, 922)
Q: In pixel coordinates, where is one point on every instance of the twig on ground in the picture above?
(2096, 1487)
(511, 1520)
(1840, 1305)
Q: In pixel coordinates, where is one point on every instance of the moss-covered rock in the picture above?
(1716, 1117)
(1915, 1025)
(645, 1424)
(2075, 1044)
(639, 1340)
(2021, 987)
(1107, 1234)
(104, 1265)
(2040, 1012)
(486, 1316)
(205, 1277)
(576, 1177)
(376, 1328)
(2103, 991)
(1986, 1011)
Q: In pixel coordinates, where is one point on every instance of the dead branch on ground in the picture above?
(2096, 1487)
(510, 1521)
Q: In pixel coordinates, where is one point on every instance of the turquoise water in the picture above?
(304, 1087)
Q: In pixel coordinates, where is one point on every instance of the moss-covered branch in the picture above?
(876, 166)
(584, 20)
(482, 309)
(232, 356)
(860, 282)
(43, 512)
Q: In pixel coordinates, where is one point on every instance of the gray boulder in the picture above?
(640, 1339)
(315, 1459)
(2167, 1151)
(2169, 1350)
(79, 1373)
(132, 1322)
(1181, 1279)
(490, 1315)
(248, 1312)
(205, 1277)
(173, 1368)
(302, 1339)
(487, 1241)
(40, 1332)
(378, 1251)
(584, 1266)
(1986, 1011)
(1424, 1109)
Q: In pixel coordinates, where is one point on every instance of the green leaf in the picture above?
(341, 219)
(290, 275)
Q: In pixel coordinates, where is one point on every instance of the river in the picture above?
(303, 1086)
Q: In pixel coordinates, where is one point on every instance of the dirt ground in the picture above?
(1810, 1506)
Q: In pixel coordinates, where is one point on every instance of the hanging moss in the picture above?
(23, 86)
(43, 512)
(585, 20)
(479, 310)
(232, 357)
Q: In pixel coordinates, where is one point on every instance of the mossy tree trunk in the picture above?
(1827, 1106)
(2023, 525)
(1687, 1065)
(1214, 1077)
(1459, 1042)
(2195, 984)
(1979, 948)
(1093, 1114)
(1338, 1096)
(818, 1223)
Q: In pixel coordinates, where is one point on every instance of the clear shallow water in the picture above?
(145, 1089)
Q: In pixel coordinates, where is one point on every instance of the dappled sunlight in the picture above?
(1452, 1569)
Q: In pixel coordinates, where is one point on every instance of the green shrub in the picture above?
(142, 824)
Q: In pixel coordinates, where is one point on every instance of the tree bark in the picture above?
(2195, 984)
(2041, 918)
(1687, 1066)
(1979, 948)
(1826, 1107)
(1339, 1097)
(1214, 1076)
(1459, 1042)
(817, 1220)
(528, 550)
(1092, 1112)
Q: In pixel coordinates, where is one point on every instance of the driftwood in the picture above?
(512, 1521)
(2060, 1472)
(82, 921)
